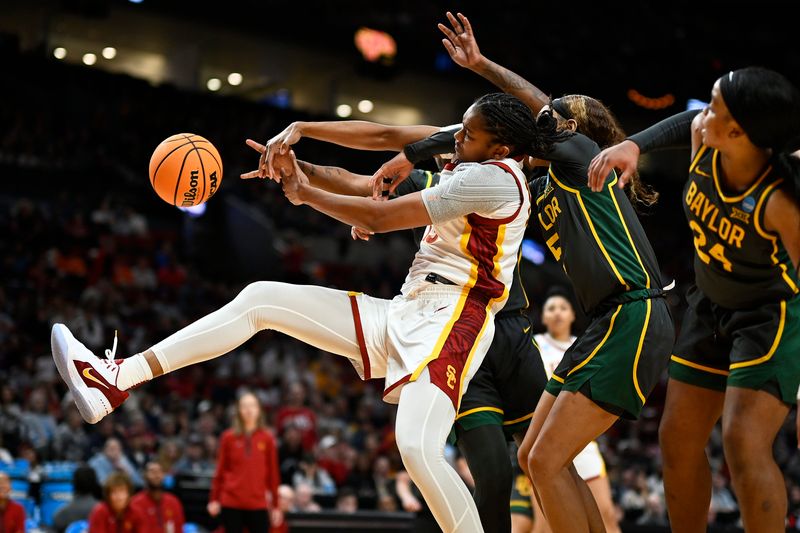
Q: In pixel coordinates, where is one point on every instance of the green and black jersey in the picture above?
(423, 179)
(738, 263)
(595, 236)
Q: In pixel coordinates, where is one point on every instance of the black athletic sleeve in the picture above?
(672, 132)
(441, 142)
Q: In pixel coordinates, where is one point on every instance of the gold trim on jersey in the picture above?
(430, 179)
(473, 278)
(773, 238)
(577, 193)
(627, 232)
(557, 378)
(479, 410)
(639, 351)
(775, 343)
(517, 420)
(697, 157)
(684, 362)
(745, 194)
(602, 342)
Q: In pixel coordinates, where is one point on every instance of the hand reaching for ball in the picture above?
(293, 180)
(280, 162)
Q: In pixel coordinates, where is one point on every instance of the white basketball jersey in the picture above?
(552, 351)
(477, 250)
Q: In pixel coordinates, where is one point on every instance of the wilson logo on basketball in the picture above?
(191, 195)
(451, 377)
(213, 186)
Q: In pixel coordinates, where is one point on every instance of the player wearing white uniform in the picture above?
(558, 316)
(427, 342)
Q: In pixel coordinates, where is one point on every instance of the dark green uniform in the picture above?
(742, 327)
(602, 247)
(509, 382)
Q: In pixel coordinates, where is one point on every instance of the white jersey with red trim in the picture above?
(552, 350)
(479, 212)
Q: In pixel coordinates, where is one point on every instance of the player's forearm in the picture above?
(672, 132)
(366, 213)
(512, 83)
(336, 180)
(363, 135)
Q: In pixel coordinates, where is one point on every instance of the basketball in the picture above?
(185, 170)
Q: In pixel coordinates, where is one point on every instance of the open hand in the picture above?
(390, 175)
(460, 42)
(623, 156)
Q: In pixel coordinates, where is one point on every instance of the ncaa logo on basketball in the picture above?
(748, 204)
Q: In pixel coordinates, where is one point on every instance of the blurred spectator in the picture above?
(304, 499)
(84, 483)
(295, 413)
(112, 459)
(655, 513)
(246, 480)
(115, 514)
(286, 505)
(347, 501)
(723, 503)
(12, 514)
(310, 473)
(71, 442)
(291, 453)
(194, 460)
(39, 425)
(161, 511)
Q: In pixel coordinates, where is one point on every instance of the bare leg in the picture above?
(750, 423)
(601, 490)
(573, 422)
(689, 416)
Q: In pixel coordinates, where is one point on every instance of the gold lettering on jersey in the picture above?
(451, 377)
(551, 211)
(738, 214)
(709, 214)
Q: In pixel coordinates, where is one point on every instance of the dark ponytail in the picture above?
(767, 107)
(512, 123)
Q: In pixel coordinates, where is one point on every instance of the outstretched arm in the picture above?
(463, 49)
(358, 134)
(332, 179)
(379, 217)
(681, 130)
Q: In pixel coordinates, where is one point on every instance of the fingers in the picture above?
(625, 177)
(448, 32)
(455, 23)
(258, 147)
(250, 175)
(467, 26)
(449, 47)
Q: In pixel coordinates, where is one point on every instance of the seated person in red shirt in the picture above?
(115, 514)
(12, 514)
(246, 481)
(161, 511)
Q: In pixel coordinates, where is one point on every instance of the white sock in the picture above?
(133, 371)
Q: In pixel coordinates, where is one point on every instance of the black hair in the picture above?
(84, 480)
(560, 292)
(767, 107)
(512, 123)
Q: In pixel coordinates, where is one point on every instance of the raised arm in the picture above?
(681, 130)
(358, 134)
(463, 49)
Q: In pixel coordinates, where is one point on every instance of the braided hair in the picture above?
(512, 123)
